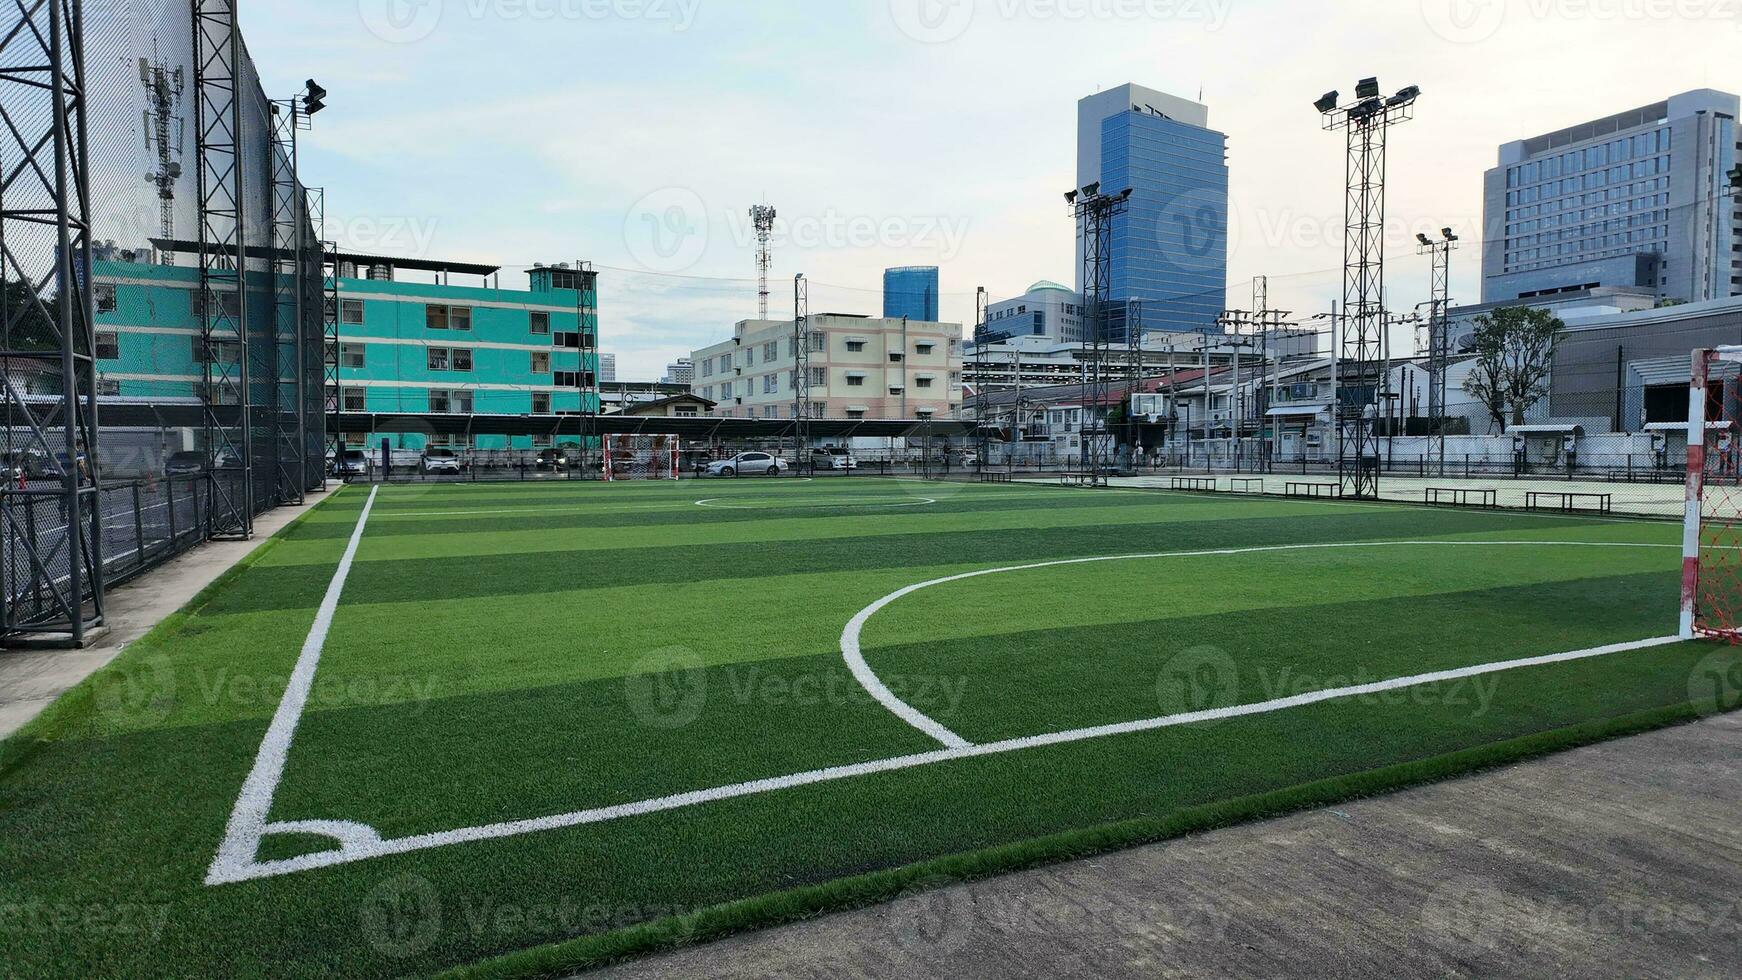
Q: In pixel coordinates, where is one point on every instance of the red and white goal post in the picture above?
(641, 458)
(1712, 529)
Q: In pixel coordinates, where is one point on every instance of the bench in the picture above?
(987, 477)
(1565, 502)
(1246, 485)
(1314, 490)
(1462, 497)
(1195, 484)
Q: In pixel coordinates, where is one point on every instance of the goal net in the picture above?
(641, 458)
(1712, 535)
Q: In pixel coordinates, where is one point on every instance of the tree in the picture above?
(1514, 349)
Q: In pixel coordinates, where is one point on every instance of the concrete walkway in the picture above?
(1617, 860)
(31, 680)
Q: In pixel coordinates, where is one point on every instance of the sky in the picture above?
(636, 134)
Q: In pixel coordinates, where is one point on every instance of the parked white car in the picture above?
(749, 464)
(833, 458)
(440, 461)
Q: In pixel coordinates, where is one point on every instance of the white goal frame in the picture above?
(1712, 488)
(662, 462)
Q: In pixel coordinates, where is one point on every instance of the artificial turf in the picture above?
(509, 652)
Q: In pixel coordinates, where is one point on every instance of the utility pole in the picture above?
(1094, 212)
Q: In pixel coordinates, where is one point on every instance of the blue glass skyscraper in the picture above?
(1170, 249)
(911, 292)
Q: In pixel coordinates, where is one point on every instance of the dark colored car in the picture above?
(185, 464)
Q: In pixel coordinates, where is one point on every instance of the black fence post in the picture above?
(139, 526)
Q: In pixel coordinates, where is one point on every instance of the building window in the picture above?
(771, 351)
(726, 390)
(355, 399)
(895, 389)
(855, 381)
(922, 382)
(540, 363)
(438, 358)
(707, 367)
(437, 316)
(351, 355)
(770, 384)
(855, 346)
(896, 357)
(539, 322)
(819, 377)
(108, 346)
(855, 413)
(541, 403)
(462, 359)
(105, 296)
(924, 349)
(351, 312)
(439, 402)
(228, 302)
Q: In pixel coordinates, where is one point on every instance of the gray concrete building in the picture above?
(1637, 200)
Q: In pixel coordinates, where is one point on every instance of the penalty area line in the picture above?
(363, 846)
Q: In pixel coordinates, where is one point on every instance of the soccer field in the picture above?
(522, 728)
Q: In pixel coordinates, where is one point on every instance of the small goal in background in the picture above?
(641, 458)
(1712, 531)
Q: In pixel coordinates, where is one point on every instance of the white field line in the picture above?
(237, 855)
(714, 502)
(867, 678)
(248, 818)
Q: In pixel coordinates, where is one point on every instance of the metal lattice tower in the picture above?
(1366, 123)
(1439, 333)
(801, 371)
(982, 404)
(221, 302)
(53, 582)
(164, 90)
(762, 216)
(1094, 213)
(289, 438)
(587, 312)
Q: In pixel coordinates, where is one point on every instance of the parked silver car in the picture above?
(749, 464)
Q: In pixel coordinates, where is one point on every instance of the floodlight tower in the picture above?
(1438, 331)
(762, 217)
(801, 372)
(1366, 121)
(1094, 212)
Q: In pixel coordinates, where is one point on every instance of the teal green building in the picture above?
(410, 349)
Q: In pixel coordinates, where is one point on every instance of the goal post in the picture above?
(641, 458)
(1711, 600)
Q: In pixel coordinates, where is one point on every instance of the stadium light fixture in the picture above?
(1328, 101)
(1070, 197)
(1093, 188)
(1423, 239)
(1367, 88)
(1448, 233)
(314, 98)
(1405, 96)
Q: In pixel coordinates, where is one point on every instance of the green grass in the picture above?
(510, 652)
